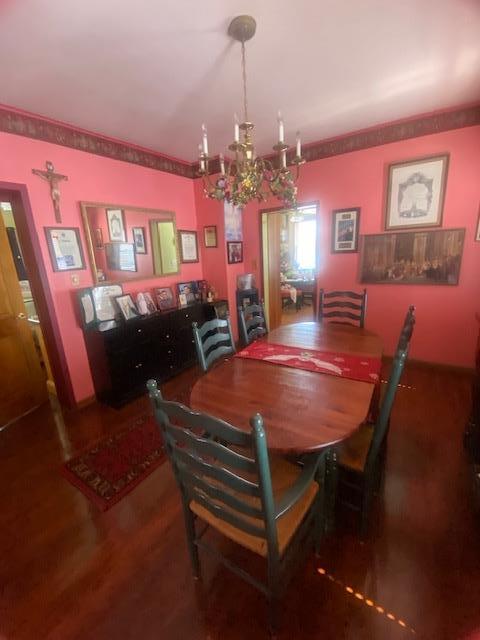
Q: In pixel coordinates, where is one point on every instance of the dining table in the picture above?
(304, 411)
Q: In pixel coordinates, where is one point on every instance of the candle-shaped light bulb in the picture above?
(299, 145)
(202, 161)
(222, 164)
(236, 136)
(204, 139)
(281, 130)
(284, 159)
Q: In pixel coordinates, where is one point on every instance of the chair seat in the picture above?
(352, 454)
(284, 474)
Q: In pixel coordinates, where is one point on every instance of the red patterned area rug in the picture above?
(117, 464)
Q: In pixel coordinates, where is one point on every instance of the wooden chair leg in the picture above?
(192, 547)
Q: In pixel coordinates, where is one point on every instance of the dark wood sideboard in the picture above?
(124, 355)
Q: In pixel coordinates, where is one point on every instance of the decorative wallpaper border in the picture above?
(37, 128)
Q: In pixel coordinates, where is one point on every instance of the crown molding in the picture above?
(32, 126)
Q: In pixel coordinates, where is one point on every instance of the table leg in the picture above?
(331, 480)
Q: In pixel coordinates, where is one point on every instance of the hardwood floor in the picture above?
(69, 571)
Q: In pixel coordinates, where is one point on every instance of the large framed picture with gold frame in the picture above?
(412, 257)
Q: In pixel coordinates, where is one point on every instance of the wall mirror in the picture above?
(130, 243)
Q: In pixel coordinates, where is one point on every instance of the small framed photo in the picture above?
(98, 238)
(186, 289)
(151, 306)
(477, 232)
(116, 225)
(416, 192)
(139, 239)
(65, 248)
(210, 236)
(234, 252)
(345, 227)
(188, 246)
(165, 298)
(127, 307)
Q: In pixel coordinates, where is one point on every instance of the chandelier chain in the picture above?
(244, 74)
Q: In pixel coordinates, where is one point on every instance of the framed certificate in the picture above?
(188, 246)
(65, 248)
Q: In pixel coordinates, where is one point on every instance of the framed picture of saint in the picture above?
(116, 226)
(416, 192)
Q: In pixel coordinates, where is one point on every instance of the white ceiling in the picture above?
(151, 71)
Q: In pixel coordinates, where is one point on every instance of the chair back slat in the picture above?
(342, 314)
(210, 447)
(382, 423)
(222, 475)
(230, 517)
(213, 340)
(228, 483)
(216, 492)
(344, 294)
(339, 300)
(252, 323)
(218, 428)
(342, 305)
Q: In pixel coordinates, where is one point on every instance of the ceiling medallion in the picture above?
(247, 177)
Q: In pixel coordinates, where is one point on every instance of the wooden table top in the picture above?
(302, 410)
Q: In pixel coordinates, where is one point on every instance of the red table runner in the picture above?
(343, 365)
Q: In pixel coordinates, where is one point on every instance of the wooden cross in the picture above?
(54, 179)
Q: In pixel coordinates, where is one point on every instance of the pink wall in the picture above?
(446, 328)
(95, 179)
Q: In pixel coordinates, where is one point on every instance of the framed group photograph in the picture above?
(210, 236)
(188, 246)
(165, 298)
(234, 252)
(416, 193)
(116, 225)
(127, 307)
(345, 227)
(65, 248)
(412, 257)
(139, 239)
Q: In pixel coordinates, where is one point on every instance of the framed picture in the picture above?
(165, 298)
(116, 225)
(65, 248)
(477, 232)
(187, 289)
(345, 227)
(127, 306)
(98, 238)
(139, 239)
(233, 222)
(121, 256)
(414, 257)
(188, 246)
(210, 236)
(234, 252)
(151, 306)
(416, 192)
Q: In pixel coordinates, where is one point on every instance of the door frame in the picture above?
(311, 203)
(17, 195)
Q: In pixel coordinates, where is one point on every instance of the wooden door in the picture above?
(22, 382)
(271, 225)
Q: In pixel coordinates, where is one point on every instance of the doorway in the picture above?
(23, 355)
(290, 259)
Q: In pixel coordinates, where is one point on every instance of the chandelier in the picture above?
(247, 177)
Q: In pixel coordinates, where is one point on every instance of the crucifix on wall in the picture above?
(54, 179)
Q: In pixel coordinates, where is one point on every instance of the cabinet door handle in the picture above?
(167, 336)
(139, 365)
(187, 315)
(169, 351)
(139, 331)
